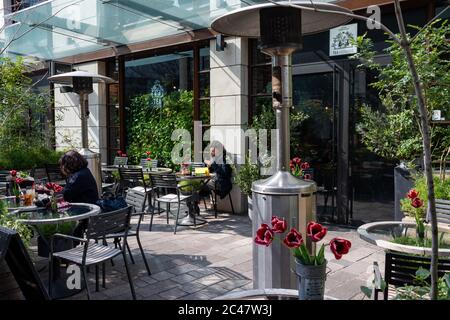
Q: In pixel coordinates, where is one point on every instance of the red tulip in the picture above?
(417, 203)
(19, 180)
(304, 166)
(278, 225)
(316, 231)
(293, 239)
(412, 194)
(264, 235)
(339, 247)
(307, 176)
(297, 160)
(119, 153)
(148, 153)
(124, 154)
(13, 173)
(149, 159)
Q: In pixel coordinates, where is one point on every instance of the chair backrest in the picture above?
(136, 200)
(39, 173)
(120, 161)
(164, 181)
(54, 173)
(443, 211)
(400, 269)
(145, 163)
(13, 251)
(131, 177)
(109, 223)
(197, 164)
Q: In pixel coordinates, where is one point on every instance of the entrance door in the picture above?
(316, 89)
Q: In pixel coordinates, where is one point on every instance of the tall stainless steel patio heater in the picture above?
(280, 28)
(82, 84)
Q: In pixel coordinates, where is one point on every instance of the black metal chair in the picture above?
(120, 161)
(215, 191)
(54, 174)
(133, 179)
(14, 253)
(137, 201)
(145, 163)
(4, 183)
(400, 270)
(161, 183)
(90, 252)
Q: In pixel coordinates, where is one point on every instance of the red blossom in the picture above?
(13, 173)
(19, 180)
(264, 235)
(304, 166)
(417, 203)
(293, 239)
(316, 231)
(412, 194)
(307, 176)
(278, 225)
(339, 247)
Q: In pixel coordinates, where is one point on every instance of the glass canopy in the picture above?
(60, 28)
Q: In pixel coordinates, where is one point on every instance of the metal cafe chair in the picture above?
(120, 161)
(164, 182)
(145, 163)
(92, 253)
(133, 179)
(54, 173)
(137, 201)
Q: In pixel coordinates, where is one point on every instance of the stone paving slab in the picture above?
(215, 259)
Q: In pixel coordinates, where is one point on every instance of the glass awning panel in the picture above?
(60, 28)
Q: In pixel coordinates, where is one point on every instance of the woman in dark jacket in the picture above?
(81, 185)
(222, 184)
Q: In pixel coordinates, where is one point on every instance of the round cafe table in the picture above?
(38, 216)
(193, 205)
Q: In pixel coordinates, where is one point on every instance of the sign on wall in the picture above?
(340, 40)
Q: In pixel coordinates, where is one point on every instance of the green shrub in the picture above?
(10, 222)
(27, 157)
(150, 128)
(247, 174)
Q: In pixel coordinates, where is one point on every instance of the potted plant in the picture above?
(298, 168)
(310, 266)
(247, 174)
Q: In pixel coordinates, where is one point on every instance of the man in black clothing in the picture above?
(222, 184)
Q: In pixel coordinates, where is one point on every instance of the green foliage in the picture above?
(441, 190)
(416, 242)
(150, 129)
(27, 157)
(47, 230)
(246, 175)
(9, 221)
(24, 132)
(421, 290)
(395, 133)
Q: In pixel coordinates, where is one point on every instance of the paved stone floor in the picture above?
(215, 259)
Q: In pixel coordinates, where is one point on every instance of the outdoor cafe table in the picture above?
(193, 204)
(38, 216)
(113, 168)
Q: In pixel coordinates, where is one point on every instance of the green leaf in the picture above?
(320, 258)
(367, 291)
(305, 254)
(422, 274)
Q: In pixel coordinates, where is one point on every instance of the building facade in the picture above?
(136, 44)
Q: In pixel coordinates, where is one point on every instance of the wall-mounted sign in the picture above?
(340, 40)
(158, 92)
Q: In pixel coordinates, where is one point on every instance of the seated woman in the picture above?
(81, 185)
(222, 184)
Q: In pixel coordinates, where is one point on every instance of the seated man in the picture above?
(221, 184)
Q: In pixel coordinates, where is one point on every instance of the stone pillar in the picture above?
(67, 122)
(229, 106)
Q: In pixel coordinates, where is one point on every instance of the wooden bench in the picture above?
(443, 211)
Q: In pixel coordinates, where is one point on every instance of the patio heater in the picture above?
(82, 84)
(280, 29)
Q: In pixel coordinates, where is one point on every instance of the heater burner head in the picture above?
(281, 28)
(246, 22)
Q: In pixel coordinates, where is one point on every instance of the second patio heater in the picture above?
(280, 28)
(82, 84)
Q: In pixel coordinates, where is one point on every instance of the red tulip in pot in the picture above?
(310, 268)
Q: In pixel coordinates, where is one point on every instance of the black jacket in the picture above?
(81, 187)
(223, 178)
